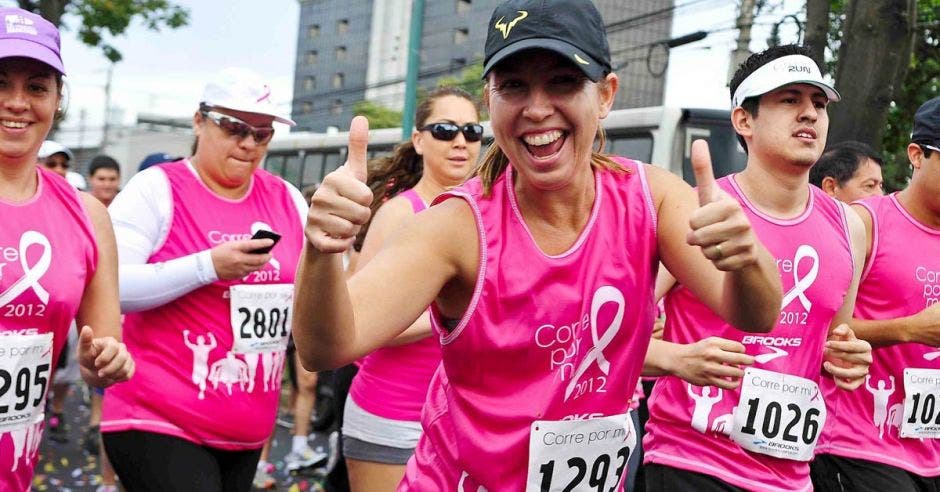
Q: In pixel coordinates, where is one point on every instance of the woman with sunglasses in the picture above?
(208, 307)
(539, 271)
(58, 254)
(382, 421)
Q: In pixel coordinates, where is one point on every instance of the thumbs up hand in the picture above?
(341, 204)
(103, 361)
(719, 225)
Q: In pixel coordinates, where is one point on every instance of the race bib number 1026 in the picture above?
(778, 415)
(921, 403)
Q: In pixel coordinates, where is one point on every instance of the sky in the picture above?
(163, 72)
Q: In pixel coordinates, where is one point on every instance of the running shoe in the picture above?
(304, 459)
(90, 440)
(107, 488)
(285, 420)
(263, 479)
(57, 430)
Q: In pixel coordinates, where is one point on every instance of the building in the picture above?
(354, 50)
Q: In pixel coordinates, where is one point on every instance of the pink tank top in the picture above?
(48, 254)
(545, 338)
(194, 379)
(902, 278)
(689, 426)
(392, 382)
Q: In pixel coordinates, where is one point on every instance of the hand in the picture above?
(104, 360)
(713, 361)
(659, 326)
(847, 358)
(719, 225)
(340, 207)
(925, 327)
(234, 259)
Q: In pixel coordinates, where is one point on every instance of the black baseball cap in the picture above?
(927, 123)
(572, 28)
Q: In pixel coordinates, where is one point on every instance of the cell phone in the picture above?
(263, 234)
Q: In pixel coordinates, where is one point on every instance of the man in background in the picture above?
(849, 171)
(104, 178)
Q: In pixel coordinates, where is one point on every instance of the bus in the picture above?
(659, 135)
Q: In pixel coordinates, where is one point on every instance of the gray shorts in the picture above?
(369, 437)
(376, 453)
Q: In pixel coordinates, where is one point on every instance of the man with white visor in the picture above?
(756, 428)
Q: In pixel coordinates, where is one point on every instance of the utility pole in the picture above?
(107, 109)
(742, 51)
(414, 62)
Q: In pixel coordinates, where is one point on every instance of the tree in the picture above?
(112, 17)
(379, 116)
(883, 58)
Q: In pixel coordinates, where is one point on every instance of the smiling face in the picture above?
(791, 126)
(29, 96)
(226, 162)
(545, 113)
(448, 162)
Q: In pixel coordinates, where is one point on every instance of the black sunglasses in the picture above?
(472, 132)
(237, 128)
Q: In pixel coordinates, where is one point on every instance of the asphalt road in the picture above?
(65, 467)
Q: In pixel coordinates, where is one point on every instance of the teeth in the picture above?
(804, 134)
(13, 124)
(542, 138)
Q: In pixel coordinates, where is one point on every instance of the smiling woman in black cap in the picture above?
(539, 271)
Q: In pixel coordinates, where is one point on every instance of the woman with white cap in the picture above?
(207, 306)
(58, 260)
(539, 272)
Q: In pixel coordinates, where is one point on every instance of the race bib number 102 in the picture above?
(778, 415)
(25, 365)
(921, 405)
(568, 455)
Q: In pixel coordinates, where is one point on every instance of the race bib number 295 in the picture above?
(25, 365)
(569, 455)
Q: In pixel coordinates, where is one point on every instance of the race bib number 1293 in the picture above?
(569, 455)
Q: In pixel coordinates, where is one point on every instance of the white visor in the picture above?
(786, 70)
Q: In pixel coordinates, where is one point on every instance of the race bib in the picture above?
(779, 415)
(260, 317)
(921, 405)
(579, 454)
(25, 365)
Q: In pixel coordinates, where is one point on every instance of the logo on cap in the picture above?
(506, 29)
(790, 67)
(19, 24)
(267, 93)
(580, 60)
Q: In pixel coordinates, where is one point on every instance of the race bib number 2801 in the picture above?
(260, 317)
(25, 365)
(778, 415)
(567, 455)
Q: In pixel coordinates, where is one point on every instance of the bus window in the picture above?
(332, 161)
(274, 164)
(714, 126)
(313, 169)
(635, 146)
(292, 169)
